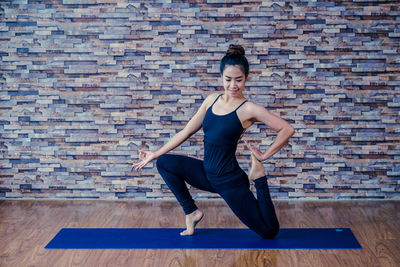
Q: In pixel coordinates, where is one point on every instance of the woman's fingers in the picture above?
(136, 164)
(256, 152)
(145, 157)
(259, 156)
(140, 166)
(142, 154)
(249, 146)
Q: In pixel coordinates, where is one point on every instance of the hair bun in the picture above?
(235, 50)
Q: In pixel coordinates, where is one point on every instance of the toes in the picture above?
(191, 222)
(187, 232)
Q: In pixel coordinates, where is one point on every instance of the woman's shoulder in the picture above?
(253, 105)
(252, 108)
(207, 102)
(213, 96)
(210, 98)
(247, 104)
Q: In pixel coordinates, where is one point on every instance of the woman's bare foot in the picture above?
(192, 220)
(257, 169)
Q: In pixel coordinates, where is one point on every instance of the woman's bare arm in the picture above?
(284, 129)
(191, 128)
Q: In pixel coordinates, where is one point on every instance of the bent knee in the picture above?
(270, 233)
(166, 161)
(162, 161)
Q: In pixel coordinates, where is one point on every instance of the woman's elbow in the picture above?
(290, 131)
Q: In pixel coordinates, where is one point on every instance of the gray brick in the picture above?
(91, 82)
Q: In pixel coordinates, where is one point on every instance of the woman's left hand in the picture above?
(257, 153)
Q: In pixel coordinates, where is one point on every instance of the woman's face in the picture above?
(234, 80)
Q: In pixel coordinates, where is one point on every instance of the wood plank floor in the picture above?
(27, 226)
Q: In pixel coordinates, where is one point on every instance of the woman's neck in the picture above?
(228, 99)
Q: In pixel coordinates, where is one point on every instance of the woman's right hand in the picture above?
(145, 157)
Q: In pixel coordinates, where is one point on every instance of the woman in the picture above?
(224, 118)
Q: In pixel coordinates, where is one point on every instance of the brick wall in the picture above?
(86, 83)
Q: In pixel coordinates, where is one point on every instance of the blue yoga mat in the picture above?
(204, 238)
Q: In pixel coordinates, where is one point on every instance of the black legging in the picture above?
(259, 215)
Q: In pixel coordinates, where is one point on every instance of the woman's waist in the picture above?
(218, 167)
(220, 142)
(230, 179)
(229, 172)
(223, 151)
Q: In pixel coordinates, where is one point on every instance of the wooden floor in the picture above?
(27, 226)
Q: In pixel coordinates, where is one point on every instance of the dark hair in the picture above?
(235, 56)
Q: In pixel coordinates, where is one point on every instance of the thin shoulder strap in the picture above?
(216, 100)
(240, 105)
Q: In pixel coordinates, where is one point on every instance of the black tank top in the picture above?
(221, 135)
